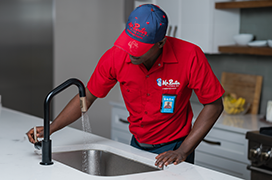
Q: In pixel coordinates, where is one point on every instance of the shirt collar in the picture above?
(168, 55)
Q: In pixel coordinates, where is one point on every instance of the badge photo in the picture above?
(168, 103)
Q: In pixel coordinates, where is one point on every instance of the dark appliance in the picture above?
(260, 153)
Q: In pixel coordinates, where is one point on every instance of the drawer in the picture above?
(121, 136)
(226, 144)
(119, 118)
(227, 166)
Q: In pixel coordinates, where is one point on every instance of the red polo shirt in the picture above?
(181, 68)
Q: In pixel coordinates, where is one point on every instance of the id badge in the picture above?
(168, 103)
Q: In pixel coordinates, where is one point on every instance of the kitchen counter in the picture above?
(237, 123)
(19, 159)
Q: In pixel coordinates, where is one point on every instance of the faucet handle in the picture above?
(35, 134)
(83, 104)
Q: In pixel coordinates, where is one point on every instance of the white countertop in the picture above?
(237, 123)
(19, 159)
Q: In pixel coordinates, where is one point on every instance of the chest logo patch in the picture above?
(168, 83)
(159, 82)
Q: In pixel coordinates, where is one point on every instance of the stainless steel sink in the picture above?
(101, 163)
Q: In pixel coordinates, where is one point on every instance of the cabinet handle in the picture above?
(175, 31)
(123, 121)
(169, 31)
(252, 168)
(212, 142)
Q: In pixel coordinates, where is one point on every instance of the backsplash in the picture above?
(246, 64)
(257, 21)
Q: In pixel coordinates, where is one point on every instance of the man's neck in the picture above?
(148, 64)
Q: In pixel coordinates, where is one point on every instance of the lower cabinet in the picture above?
(224, 151)
(121, 136)
(222, 164)
(119, 125)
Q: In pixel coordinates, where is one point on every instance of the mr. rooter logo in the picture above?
(135, 30)
(168, 83)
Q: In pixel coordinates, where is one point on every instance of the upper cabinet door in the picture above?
(206, 26)
(173, 12)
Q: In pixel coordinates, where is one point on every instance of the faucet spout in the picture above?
(46, 143)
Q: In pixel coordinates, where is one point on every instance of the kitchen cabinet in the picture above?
(266, 51)
(198, 21)
(172, 9)
(119, 124)
(225, 147)
(224, 151)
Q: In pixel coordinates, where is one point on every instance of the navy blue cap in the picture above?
(146, 25)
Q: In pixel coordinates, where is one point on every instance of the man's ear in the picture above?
(162, 42)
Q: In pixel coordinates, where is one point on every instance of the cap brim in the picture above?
(132, 46)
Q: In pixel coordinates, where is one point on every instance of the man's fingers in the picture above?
(170, 160)
(167, 158)
(160, 158)
(164, 159)
(157, 157)
(30, 135)
(40, 132)
(178, 160)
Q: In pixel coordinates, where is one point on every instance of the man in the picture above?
(168, 105)
(153, 69)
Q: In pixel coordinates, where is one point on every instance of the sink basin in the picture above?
(101, 163)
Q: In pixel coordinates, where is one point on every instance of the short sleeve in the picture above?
(202, 79)
(103, 79)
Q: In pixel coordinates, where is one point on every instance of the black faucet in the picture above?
(46, 143)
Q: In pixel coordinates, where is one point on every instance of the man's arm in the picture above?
(202, 126)
(68, 115)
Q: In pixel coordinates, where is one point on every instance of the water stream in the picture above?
(86, 127)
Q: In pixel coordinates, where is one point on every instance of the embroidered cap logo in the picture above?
(134, 29)
(147, 24)
(133, 44)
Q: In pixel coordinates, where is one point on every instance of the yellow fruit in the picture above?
(232, 105)
(238, 102)
(233, 101)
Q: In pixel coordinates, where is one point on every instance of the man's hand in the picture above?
(202, 126)
(169, 157)
(30, 134)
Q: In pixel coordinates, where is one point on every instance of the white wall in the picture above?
(83, 31)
